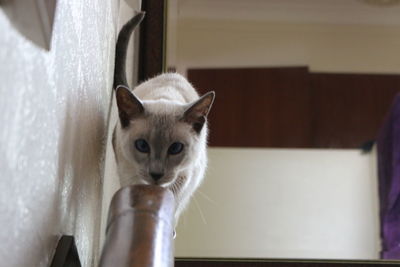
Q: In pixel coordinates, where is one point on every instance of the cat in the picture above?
(161, 136)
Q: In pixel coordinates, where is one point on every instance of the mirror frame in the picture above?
(152, 39)
(152, 61)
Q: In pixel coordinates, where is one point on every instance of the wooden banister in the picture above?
(139, 228)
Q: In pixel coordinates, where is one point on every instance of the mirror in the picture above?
(301, 85)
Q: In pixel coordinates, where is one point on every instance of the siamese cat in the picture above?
(161, 136)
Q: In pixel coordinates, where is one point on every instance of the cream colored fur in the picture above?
(166, 96)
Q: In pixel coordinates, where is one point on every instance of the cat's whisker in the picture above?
(206, 196)
(200, 211)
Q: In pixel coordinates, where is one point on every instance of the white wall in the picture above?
(283, 203)
(111, 180)
(53, 115)
(321, 46)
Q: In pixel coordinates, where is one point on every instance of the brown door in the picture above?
(293, 108)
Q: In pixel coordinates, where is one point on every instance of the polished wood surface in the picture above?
(139, 228)
(280, 263)
(291, 107)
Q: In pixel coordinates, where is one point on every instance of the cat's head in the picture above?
(158, 140)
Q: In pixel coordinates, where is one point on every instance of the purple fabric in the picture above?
(389, 182)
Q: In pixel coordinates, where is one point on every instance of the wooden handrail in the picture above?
(139, 228)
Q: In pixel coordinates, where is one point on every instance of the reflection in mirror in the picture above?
(301, 86)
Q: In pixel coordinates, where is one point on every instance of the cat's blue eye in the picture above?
(142, 146)
(175, 148)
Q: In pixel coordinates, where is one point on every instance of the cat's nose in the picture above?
(156, 176)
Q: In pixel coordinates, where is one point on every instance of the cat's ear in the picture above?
(197, 112)
(129, 106)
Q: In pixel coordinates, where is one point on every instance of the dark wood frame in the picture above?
(193, 262)
(152, 41)
(151, 63)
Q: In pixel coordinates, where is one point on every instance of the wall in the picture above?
(54, 109)
(111, 181)
(283, 203)
(323, 47)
